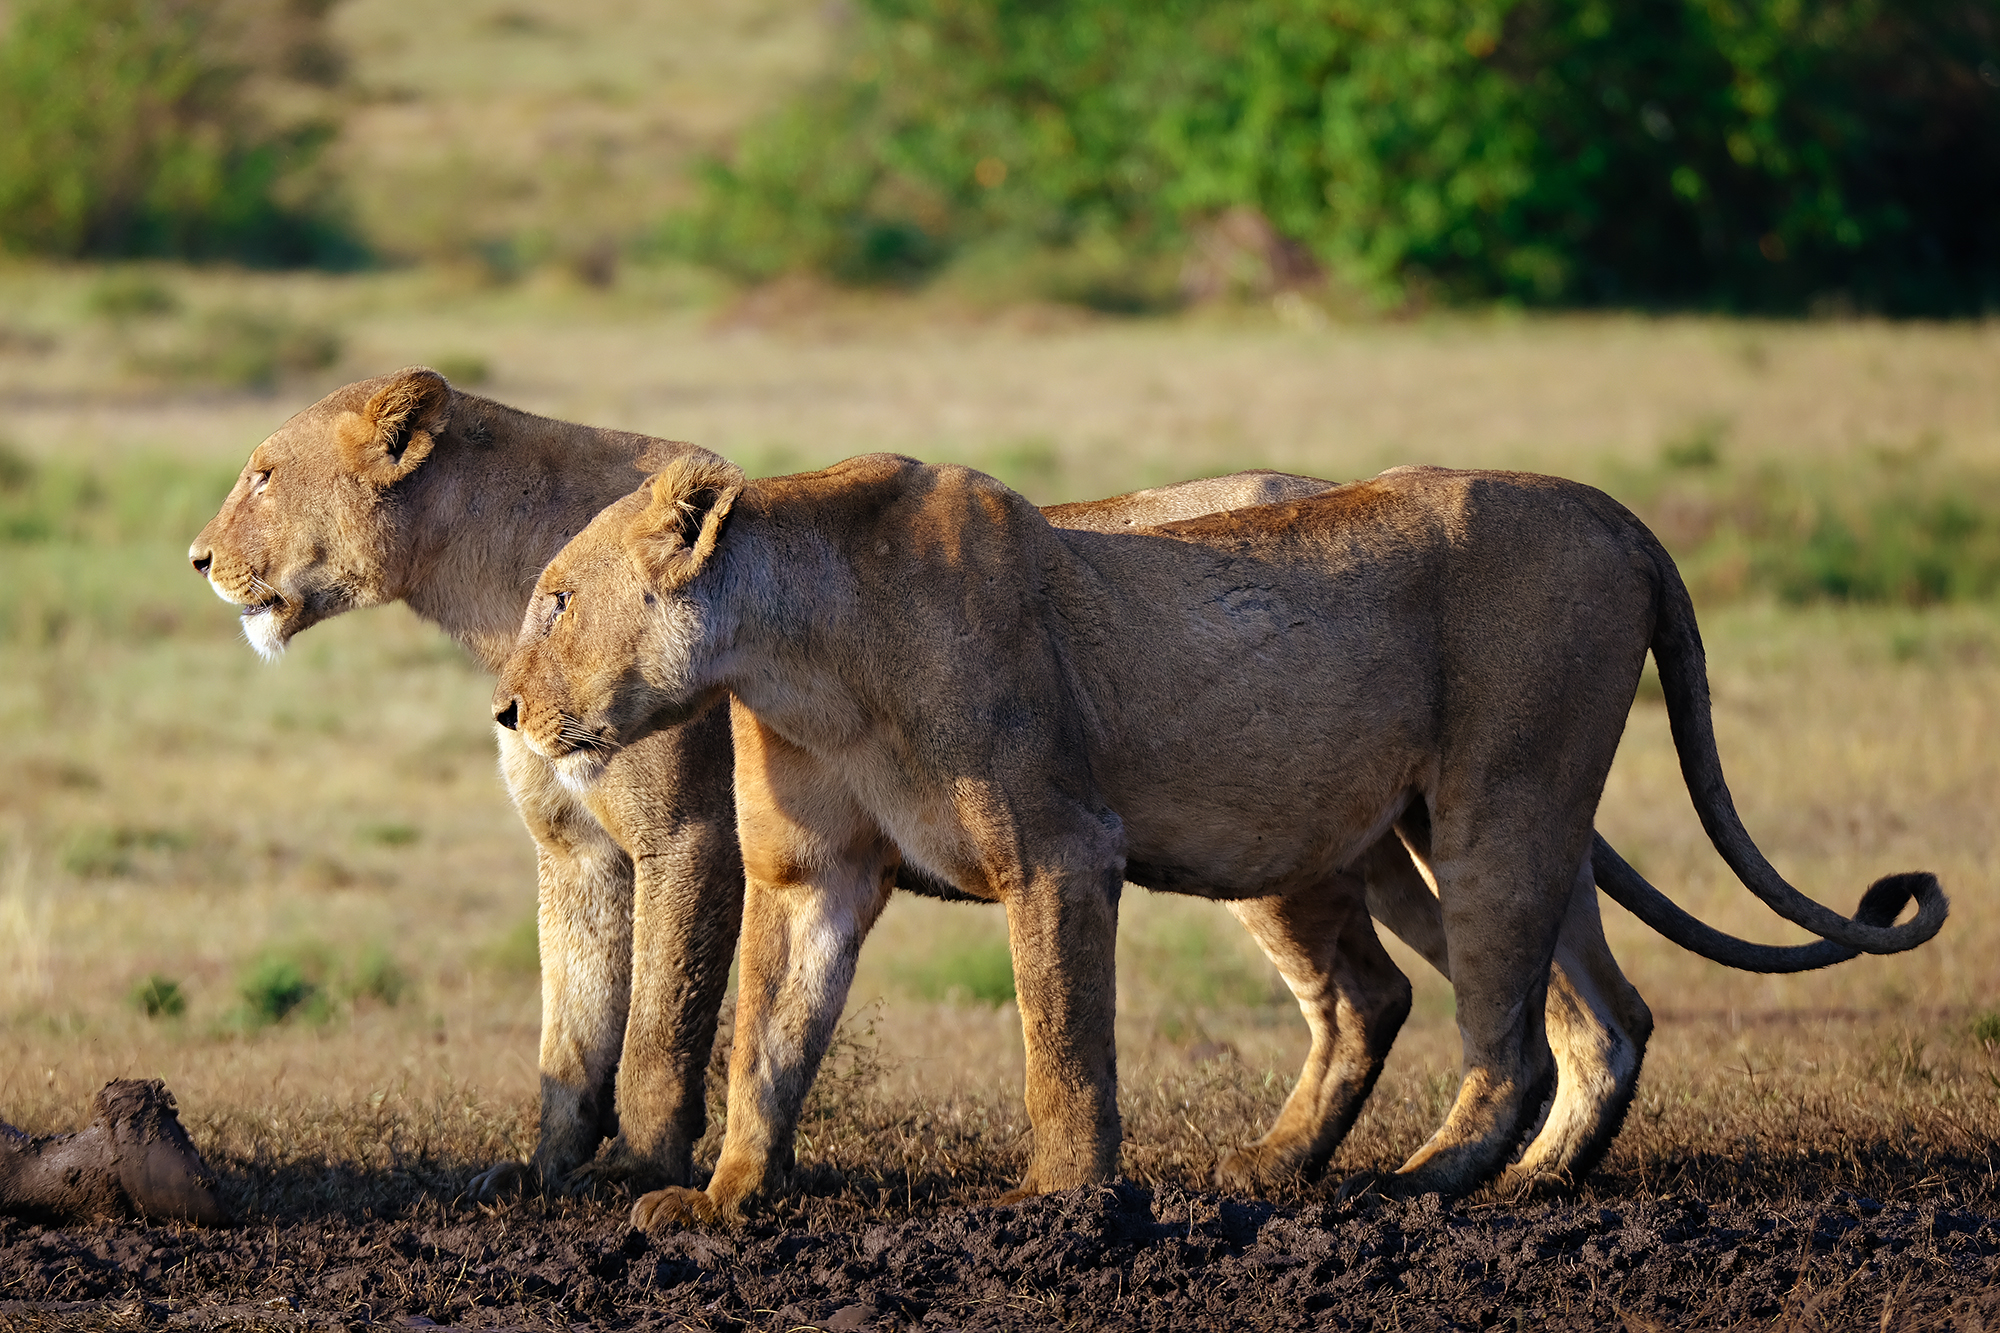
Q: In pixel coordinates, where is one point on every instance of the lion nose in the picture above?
(200, 559)
(510, 716)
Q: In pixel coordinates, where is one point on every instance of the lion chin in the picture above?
(579, 771)
(262, 631)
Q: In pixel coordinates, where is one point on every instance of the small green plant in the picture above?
(519, 950)
(467, 370)
(1986, 1028)
(131, 293)
(1200, 968)
(243, 349)
(1699, 446)
(980, 973)
(159, 997)
(275, 987)
(1031, 466)
(100, 852)
(377, 976)
(391, 835)
(17, 470)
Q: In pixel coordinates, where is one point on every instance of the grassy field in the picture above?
(320, 858)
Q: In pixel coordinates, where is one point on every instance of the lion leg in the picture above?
(1501, 923)
(1597, 1022)
(1062, 927)
(1598, 1026)
(677, 813)
(584, 930)
(584, 927)
(817, 873)
(1354, 1000)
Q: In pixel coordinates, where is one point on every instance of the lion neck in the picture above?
(497, 505)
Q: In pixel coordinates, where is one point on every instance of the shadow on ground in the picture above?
(1115, 1257)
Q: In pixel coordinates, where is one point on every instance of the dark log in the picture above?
(132, 1160)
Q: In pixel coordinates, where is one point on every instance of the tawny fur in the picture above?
(403, 487)
(1240, 707)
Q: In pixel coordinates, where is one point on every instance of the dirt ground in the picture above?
(1116, 1257)
(176, 817)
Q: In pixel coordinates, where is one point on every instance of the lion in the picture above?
(405, 488)
(922, 670)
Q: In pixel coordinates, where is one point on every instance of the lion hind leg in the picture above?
(1598, 1026)
(1501, 926)
(1354, 999)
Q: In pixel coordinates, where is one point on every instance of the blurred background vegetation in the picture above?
(1734, 155)
(794, 230)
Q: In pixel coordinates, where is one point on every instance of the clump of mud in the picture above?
(133, 1159)
(1115, 1257)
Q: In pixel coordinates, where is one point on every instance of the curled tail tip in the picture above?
(1888, 896)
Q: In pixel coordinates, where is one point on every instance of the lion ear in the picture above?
(672, 538)
(398, 427)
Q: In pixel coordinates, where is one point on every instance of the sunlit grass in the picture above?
(173, 811)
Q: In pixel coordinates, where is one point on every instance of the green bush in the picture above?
(275, 987)
(124, 130)
(1727, 153)
(377, 976)
(967, 973)
(1895, 529)
(159, 997)
(241, 349)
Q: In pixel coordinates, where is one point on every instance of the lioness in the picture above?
(405, 488)
(922, 670)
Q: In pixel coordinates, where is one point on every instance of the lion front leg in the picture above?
(1062, 926)
(584, 926)
(817, 873)
(584, 933)
(1354, 999)
(800, 942)
(674, 807)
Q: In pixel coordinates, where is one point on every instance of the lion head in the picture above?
(597, 670)
(311, 527)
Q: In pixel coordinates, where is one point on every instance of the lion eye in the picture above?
(562, 602)
(259, 480)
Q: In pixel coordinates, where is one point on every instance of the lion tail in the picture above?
(1880, 906)
(1683, 668)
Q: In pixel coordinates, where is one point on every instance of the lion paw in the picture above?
(500, 1179)
(1254, 1170)
(1520, 1183)
(1364, 1185)
(674, 1206)
(634, 1172)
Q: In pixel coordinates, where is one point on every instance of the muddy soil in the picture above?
(1116, 1257)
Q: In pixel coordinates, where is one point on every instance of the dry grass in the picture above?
(170, 806)
(513, 133)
